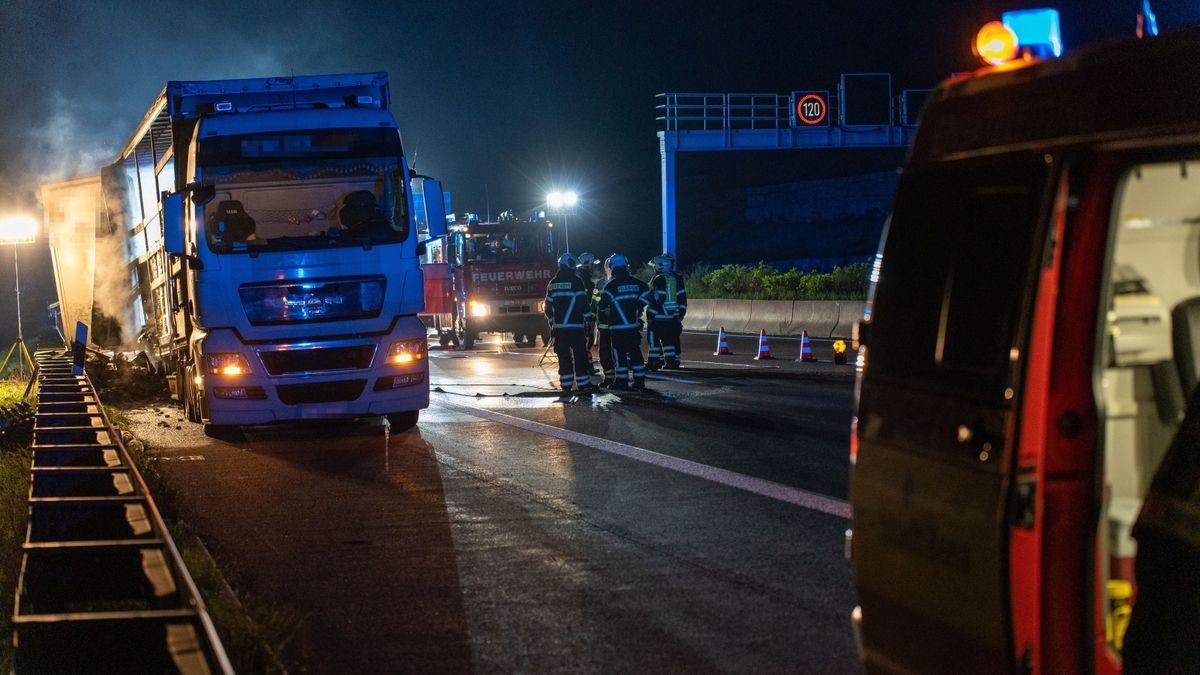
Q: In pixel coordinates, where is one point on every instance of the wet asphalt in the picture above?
(518, 530)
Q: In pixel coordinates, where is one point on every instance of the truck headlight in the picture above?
(230, 364)
(478, 308)
(404, 352)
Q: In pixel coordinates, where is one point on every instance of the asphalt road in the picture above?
(695, 529)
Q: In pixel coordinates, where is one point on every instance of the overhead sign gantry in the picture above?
(862, 113)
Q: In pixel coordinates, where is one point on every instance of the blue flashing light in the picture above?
(1037, 31)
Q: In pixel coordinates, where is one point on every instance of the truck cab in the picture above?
(277, 257)
(1028, 357)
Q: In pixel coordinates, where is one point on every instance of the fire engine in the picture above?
(1023, 432)
(490, 277)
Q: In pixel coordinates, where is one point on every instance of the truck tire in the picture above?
(187, 393)
(403, 421)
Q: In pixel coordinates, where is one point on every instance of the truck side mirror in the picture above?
(173, 239)
(435, 208)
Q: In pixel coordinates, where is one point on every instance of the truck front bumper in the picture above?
(261, 396)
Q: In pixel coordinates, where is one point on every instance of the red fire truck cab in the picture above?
(491, 278)
(1029, 352)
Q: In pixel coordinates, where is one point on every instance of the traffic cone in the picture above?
(722, 344)
(764, 350)
(805, 348)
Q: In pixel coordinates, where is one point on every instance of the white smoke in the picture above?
(64, 148)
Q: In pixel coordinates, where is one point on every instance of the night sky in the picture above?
(503, 101)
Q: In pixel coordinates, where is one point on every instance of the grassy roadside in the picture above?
(255, 634)
(14, 516)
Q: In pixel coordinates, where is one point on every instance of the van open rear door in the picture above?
(932, 483)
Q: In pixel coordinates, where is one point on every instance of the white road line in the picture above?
(668, 378)
(720, 363)
(758, 486)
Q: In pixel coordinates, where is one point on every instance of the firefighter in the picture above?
(668, 305)
(585, 272)
(623, 299)
(604, 342)
(567, 311)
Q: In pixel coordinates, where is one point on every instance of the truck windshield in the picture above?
(525, 246)
(301, 190)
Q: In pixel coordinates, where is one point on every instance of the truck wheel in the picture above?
(187, 393)
(403, 421)
(545, 339)
(444, 338)
(467, 341)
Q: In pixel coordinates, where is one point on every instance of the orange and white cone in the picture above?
(764, 350)
(806, 348)
(722, 344)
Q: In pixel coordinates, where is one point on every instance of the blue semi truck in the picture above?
(270, 234)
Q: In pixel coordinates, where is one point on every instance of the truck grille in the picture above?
(290, 361)
(321, 392)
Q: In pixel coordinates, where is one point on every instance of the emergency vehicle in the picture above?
(490, 277)
(1027, 356)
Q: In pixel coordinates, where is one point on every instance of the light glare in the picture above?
(18, 230)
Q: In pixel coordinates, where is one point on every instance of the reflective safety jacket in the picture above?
(601, 317)
(589, 285)
(622, 300)
(668, 297)
(567, 303)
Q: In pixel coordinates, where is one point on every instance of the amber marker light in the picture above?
(995, 43)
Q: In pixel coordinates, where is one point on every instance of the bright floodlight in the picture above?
(570, 198)
(17, 230)
(555, 199)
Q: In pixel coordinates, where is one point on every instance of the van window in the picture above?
(955, 272)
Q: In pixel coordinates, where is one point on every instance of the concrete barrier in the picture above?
(852, 313)
(733, 315)
(699, 315)
(775, 316)
(821, 318)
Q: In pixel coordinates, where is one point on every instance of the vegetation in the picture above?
(14, 491)
(763, 282)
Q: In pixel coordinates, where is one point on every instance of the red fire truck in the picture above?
(490, 278)
(1028, 416)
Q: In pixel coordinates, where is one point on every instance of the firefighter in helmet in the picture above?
(604, 340)
(623, 299)
(668, 305)
(568, 311)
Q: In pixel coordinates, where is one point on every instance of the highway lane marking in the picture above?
(758, 486)
(668, 378)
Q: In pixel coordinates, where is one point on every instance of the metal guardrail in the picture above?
(715, 112)
(102, 586)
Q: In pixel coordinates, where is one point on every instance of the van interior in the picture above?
(1148, 356)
